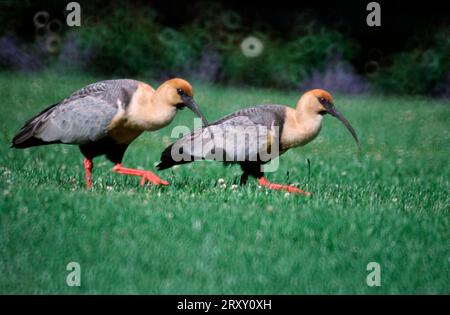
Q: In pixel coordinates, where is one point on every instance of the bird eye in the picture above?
(180, 92)
(322, 100)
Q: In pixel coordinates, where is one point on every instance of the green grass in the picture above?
(389, 204)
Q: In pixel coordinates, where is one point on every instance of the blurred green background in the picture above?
(304, 45)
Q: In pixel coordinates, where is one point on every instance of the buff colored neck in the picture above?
(301, 125)
(309, 122)
(151, 110)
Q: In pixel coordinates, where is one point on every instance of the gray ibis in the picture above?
(263, 129)
(103, 118)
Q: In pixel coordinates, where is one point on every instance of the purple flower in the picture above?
(338, 77)
(15, 55)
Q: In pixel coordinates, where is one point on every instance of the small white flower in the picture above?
(259, 235)
(197, 224)
(221, 183)
(234, 187)
(6, 172)
(286, 195)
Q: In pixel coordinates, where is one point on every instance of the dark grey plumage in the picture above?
(263, 115)
(217, 141)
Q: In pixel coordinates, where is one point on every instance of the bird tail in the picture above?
(167, 160)
(25, 137)
(184, 150)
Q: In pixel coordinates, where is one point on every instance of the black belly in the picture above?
(106, 146)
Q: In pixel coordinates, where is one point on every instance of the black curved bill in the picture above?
(190, 103)
(333, 112)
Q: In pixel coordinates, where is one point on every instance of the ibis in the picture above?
(103, 118)
(252, 137)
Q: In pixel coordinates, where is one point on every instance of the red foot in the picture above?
(291, 189)
(145, 175)
(88, 166)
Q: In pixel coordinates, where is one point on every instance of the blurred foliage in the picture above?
(420, 70)
(285, 64)
(138, 45)
(133, 40)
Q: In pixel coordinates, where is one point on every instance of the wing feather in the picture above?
(79, 121)
(250, 134)
(80, 118)
(233, 140)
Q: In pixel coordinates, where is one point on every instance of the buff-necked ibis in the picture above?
(103, 118)
(247, 135)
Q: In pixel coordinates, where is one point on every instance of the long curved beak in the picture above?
(334, 112)
(190, 103)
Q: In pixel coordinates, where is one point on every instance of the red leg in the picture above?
(88, 166)
(264, 182)
(145, 175)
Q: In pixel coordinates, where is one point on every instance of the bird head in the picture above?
(320, 102)
(179, 93)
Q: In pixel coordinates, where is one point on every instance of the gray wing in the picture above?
(84, 116)
(265, 115)
(251, 134)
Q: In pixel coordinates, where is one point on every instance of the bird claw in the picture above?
(290, 189)
(145, 175)
(152, 179)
